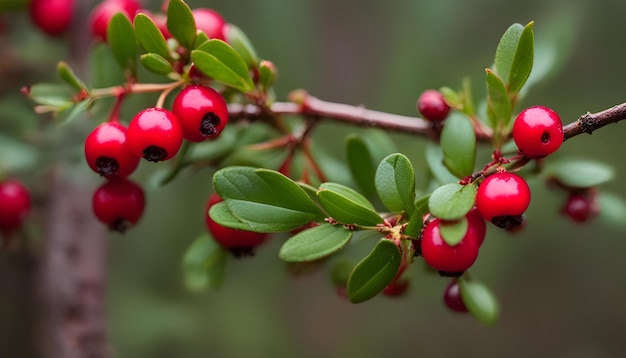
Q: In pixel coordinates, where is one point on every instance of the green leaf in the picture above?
(150, 37)
(361, 164)
(121, 38)
(522, 63)
(374, 272)
(155, 63)
(72, 112)
(453, 232)
(347, 206)
(267, 74)
(240, 42)
(458, 143)
(55, 95)
(612, 209)
(580, 173)
(416, 221)
(434, 159)
(266, 218)
(203, 264)
(67, 74)
(452, 201)
(181, 24)
(200, 39)
(216, 59)
(222, 215)
(395, 183)
(480, 301)
(499, 108)
(315, 243)
(505, 53)
(16, 156)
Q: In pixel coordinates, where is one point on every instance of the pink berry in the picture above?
(432, 106)
(210, 22)
(53, 17)
(14, 205)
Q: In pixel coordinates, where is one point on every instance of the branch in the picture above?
(589, 122)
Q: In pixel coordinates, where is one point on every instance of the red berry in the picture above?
(580, 207)
(14, 205)
(239, 242)
(538, 132)
(210, 22)
(202, 112)
(452, 297)
(155, 134)
(52, 16)
(107, 153)
(502, 199)
(477, 223)
(432, 106)
(102, 14)
(445, 258)
(118, 203)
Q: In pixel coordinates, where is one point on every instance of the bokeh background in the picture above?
(561, 286)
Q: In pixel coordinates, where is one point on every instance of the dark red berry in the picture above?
(502, 199)
(102, 14)
(452, 297)
(155, 134)
(119, 203)
(52, 16)
(107, 153)
(445, 258)
(477, 223)
(210, 22)
(239, 242)
(432, 106)
(397, 288)
(538, 132)
(580, 207)
(202, 112)
(14, 205)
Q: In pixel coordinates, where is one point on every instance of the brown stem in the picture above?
(589, 122)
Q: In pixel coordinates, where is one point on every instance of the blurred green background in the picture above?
(561, 286)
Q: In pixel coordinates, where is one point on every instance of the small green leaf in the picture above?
(222, 215)
(374, 272)
(452, 201)
(523, 60)
(181, 24)
(267, 218)
(499, 108)
(240, 42)
(416, 221)
(315, 243)
(434, 159)
(347, 206)
(150, 37)
(66, 73)
(505, 53)
(580, 173)
(451, 97)
(203, 264)
(16, 156)
(267, 74)
(72, 112)
(155, 63)
(453, 232)
(216, 59)
(395, 183)
(468, 98)
(480, 301)
(200, 39)
(612, 209)
(458, 143)
(55, 95)
(121, 38)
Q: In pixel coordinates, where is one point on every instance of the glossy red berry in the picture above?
(210, 22)
(445, 258)
(14, 205)
(239, 242)
(119, 203)
(155, 134)
(476, 222)
(580, 207)
(53, 17)
(538, 132)
(452, 297)
(107, 153)
(502, 199)
(432, 106)
(102, 14)
(202, 112)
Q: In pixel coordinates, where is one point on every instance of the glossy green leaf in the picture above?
(395, 183)
(200, 39)
(374, 272)
(458, 143)
(155, 63)
(150, 37)
(416, 220)
(505, 53)
(499, 108)
(72, 112)
(522, 63)
(181, 24)
(361, 164)
(203, 264)
(216, 59)
(580, 173)
(268, 218)
(121, 38)
(55, 95)
(67, 74)
(16, 156)
(452, 201)
(480, 301)
(346, 205)
(222, 215)
(453, 232)
(434, 159)
(240, 42)
(315, 243)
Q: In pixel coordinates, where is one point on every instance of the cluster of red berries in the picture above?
(14, 206)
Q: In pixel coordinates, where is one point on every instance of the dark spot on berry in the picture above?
(451, 274)
(120, 225)
(240, 252)
(107, 166)
(154, 153)
(210, 123)
(508, 222)
(545, 138)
